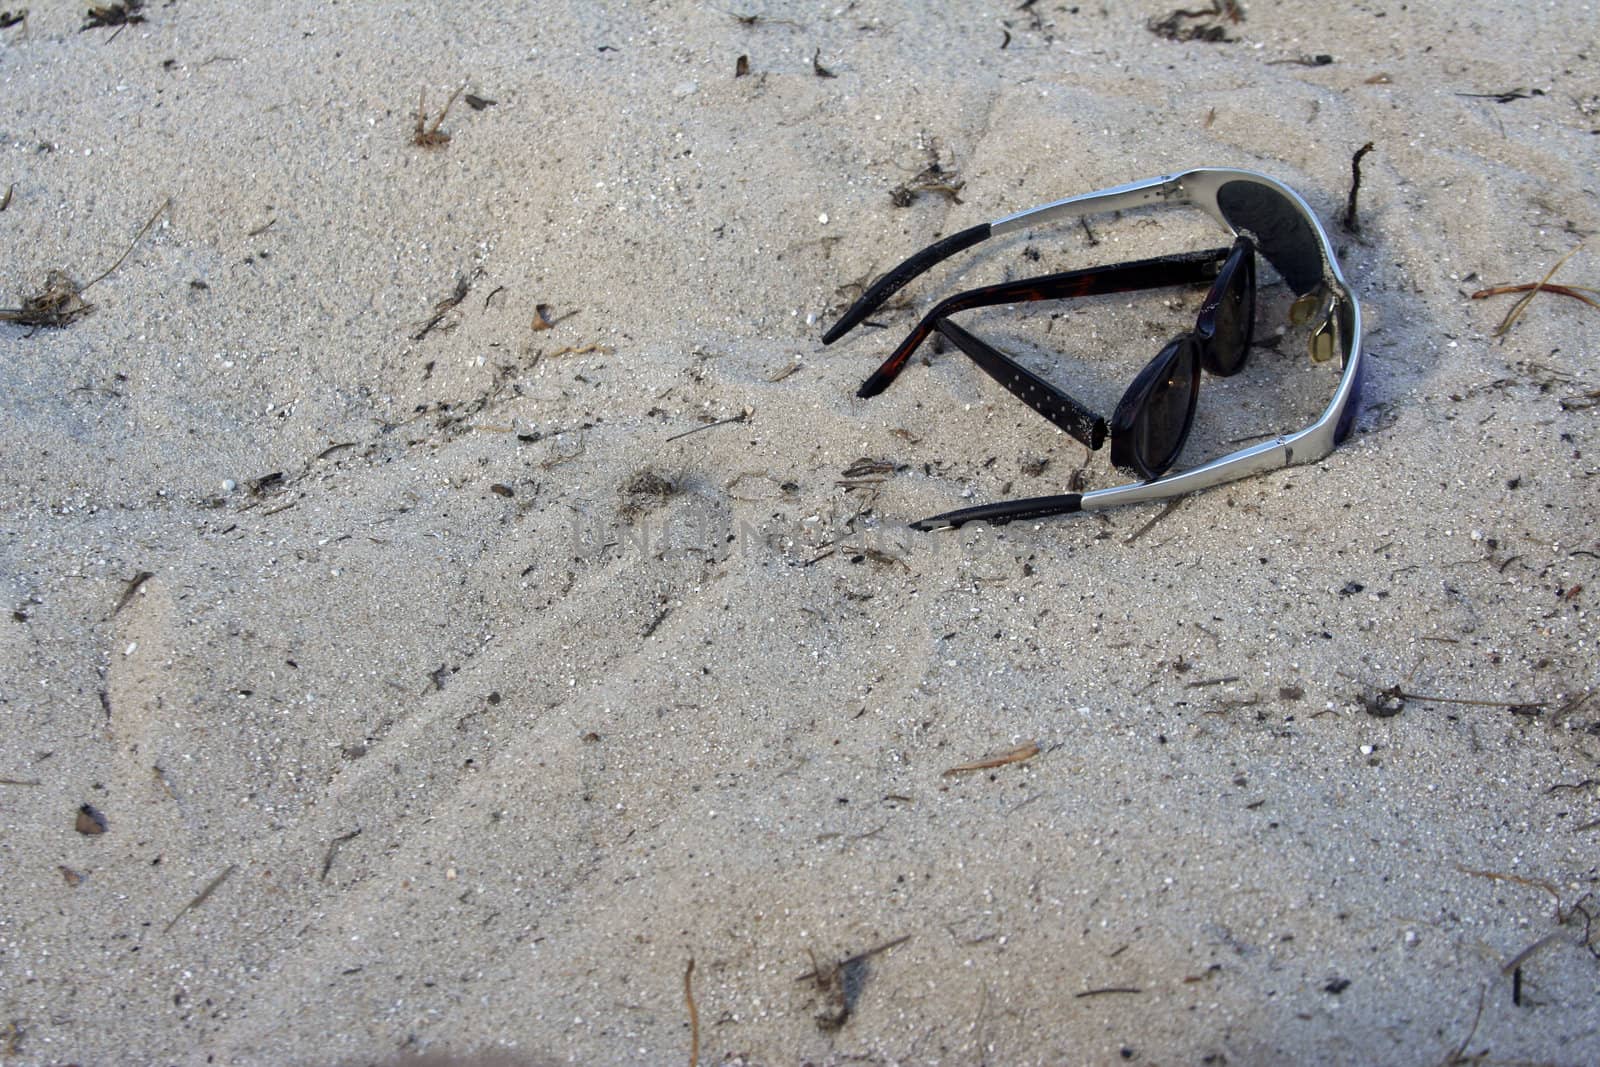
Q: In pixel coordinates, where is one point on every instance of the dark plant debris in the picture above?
(89, 821)
(933, 178)
(124, 14)
(840, 984)
(266, 484)
(817, 68)
(9, 19)
(646, 491)
(476, 102)
(544, 316)
(1321, 59)
(133, 586)
(866, 465)
(444, 306)
(1208, 24)
(61, 301)
(741, 67)
(1385, 703)
(1505, 96)
(1351, 223)
(333, 849)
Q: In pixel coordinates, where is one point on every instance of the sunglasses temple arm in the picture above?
(1038, 507)
(1120, 198)
(1068, 414)
(896, 279)
(1184, 268)
(1165, 190)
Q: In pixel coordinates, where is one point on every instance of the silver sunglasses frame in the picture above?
(1198, 188)
(1327, 299)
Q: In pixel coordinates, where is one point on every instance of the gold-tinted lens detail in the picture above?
(1324, 346)
(1303, 310)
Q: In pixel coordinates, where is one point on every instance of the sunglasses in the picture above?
(1150, 424)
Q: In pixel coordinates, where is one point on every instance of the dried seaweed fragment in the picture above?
(1209, 24)
(124, 14)
(59, 303)
(427, 134)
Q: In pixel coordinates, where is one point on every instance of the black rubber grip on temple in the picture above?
(895, 280)
(1005, 511)
(1067, 413)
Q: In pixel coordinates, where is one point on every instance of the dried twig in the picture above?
(134, 585)
(1168, 509)
(820, 973)
(1533, 883)
(444, 307)
(333, 848)
(1430, 699)
(1016, 755)
(743, 416)
(581, 350)
(1458, 1054)
(694, 1014)
(211, 887)
(1350, 221)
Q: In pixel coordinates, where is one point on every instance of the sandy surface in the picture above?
(392, 760)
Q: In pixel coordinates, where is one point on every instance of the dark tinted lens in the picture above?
(1280, 228)
(1232, 320)
(1168, 407)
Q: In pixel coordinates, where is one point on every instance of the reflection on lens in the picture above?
(1164, 420)
(1231, 340)
(1280, 229)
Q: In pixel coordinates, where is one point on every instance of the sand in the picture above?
(465, 704)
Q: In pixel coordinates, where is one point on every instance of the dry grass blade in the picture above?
(1522, 305)
(1517, 879)
(204, 894)
(1575, 291)
(1016, 755)
(428, 134)
(61, 301)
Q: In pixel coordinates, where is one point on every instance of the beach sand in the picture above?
(432, 695)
